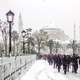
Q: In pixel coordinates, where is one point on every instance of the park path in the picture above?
(41, 70)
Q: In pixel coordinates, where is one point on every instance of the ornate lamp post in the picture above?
(28, 40)
(10, 18)
(23, 35)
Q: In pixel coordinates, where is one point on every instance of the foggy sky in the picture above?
(40, 13)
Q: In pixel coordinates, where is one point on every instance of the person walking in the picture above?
(75, 63)
(64, 61)
(59, 62)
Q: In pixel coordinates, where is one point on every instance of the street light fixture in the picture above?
(23, 35)
(29, 32)
(10, 18)
(28, 38)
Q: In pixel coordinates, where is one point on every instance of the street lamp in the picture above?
(10, 18)
(23, 35)
(29, 32)
(29, 37)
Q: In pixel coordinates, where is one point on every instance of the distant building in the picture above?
(56, 34)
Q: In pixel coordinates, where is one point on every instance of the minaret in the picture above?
(74, 33)
(20, 27)
(20, 24)
(74, 40)
(79, 32)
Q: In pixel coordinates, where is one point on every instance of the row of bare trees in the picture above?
(36, 41)
(42, 41)
(4, 30)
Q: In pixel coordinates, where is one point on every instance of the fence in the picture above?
(11, 68)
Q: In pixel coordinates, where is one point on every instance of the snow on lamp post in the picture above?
(10, 18)
(23, 35)
(28, 31)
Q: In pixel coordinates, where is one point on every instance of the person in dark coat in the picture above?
(79, 60)
(68, 62)
(55, 61)
(64, 61)
(74, 63)
(50, 59)
(59, 62)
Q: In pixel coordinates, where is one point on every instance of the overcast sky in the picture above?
(40, 13)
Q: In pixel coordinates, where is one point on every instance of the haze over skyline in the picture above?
(41, 13)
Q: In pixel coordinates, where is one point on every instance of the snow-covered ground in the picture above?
(14, 66)
(41, 70)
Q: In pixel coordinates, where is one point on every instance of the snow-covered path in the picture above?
(41, 70)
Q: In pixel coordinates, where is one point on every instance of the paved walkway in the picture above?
(41, 70)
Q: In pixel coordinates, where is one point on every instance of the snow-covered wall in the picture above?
(12, 67)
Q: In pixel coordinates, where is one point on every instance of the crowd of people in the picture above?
(62, 61)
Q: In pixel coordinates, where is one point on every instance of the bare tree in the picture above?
(50, 44)
(41, 38)
(4, 31)
(57, 46)
(1, 48)
(73, 45)
(15, 37)
(30, 42)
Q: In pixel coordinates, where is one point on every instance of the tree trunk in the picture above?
(5, 45)
(28, 47)
(56, 50)
(38, 48)
(17, 49)
(50, 50)
(14, 48)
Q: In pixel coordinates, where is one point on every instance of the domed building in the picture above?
(56, 34)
